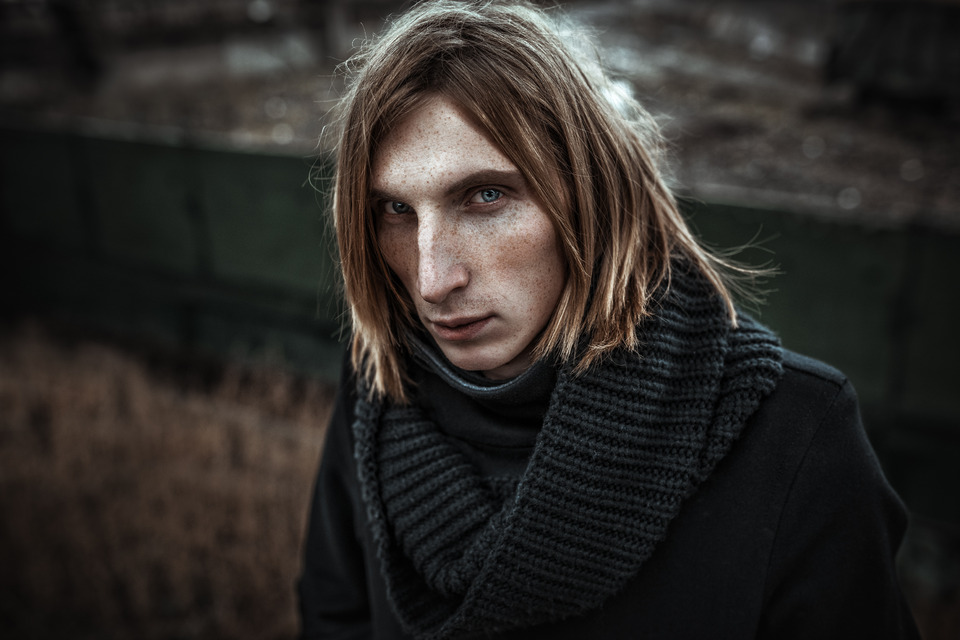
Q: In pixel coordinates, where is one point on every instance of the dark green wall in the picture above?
(229, 253)
(879, 304)
(211, 250)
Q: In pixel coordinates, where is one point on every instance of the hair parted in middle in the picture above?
(590, 154)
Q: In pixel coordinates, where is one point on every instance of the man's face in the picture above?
(477, 253)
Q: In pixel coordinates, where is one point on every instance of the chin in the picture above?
(478, 364)
(483, 360)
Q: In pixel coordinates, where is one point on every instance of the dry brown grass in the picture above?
(144, 497)
(134, 505)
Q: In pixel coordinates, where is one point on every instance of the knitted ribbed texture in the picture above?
(621, 447)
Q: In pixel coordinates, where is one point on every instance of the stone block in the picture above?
(931, 383)
(141, 195)
(834, 294)
(266, 222)
(39, 188)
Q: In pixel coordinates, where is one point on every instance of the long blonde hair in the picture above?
(591, 155)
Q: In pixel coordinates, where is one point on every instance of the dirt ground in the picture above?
(146, 496)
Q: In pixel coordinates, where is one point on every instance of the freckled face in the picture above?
(476, 252)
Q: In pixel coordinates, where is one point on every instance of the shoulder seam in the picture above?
(814, 368)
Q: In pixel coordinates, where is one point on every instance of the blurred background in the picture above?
(171, 333)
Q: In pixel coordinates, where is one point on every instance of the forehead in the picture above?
(436, 143)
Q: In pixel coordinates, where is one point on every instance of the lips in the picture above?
(460, 329)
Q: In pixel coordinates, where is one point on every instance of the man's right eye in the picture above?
(398, 207)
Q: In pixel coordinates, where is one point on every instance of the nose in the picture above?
(441, 269)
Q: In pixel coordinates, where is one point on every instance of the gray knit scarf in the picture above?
(621, 447)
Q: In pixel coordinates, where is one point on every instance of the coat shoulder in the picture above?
(801, 365)
(808, 392)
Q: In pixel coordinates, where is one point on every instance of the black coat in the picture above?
(793, 536)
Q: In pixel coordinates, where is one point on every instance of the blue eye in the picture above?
(398, 207)
(487, 195)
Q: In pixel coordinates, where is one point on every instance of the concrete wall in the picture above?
(230, 254)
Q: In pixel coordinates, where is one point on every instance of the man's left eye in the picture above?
(486, 195)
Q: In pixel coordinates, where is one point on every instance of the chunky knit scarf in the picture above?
(621, 447)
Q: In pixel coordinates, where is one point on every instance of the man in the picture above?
(553, 422)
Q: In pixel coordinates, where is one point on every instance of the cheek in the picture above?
(399, 251)
(551, 277)
(536, 266)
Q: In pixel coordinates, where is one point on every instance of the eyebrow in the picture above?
(510, 177)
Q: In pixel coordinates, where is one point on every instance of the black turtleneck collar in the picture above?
(495, 421)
